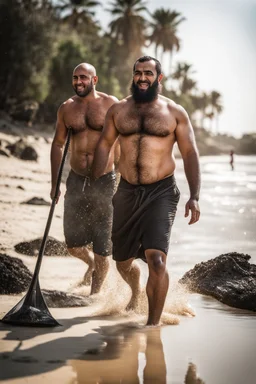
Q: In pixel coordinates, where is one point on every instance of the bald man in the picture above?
(88, 203)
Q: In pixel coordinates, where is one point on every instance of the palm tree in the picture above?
(210, 116)
(216, 105)
(201, 102)
(164, 34)
(77, 13)
(128, 28)
(182, 75)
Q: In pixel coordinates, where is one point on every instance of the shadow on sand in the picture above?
(112, 354)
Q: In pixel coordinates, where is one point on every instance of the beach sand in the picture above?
(102, 343)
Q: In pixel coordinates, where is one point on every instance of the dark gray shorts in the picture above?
(88, 212)
(143, 217)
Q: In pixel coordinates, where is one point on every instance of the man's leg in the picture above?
(130, 272)
(101, 267)
(157, 284)
(84, 254)
(155, 369)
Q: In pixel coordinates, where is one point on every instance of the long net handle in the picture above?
(49, 221)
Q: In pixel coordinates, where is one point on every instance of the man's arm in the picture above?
(116, 148)
(105, 145)
(117, 154)
(188, 149)
(56, 149)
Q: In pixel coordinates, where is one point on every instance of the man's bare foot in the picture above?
(134, 302)
(87, 280)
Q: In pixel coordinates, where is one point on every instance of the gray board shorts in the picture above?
(88, 212)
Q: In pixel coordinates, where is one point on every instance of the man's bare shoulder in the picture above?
(107, 98)
(66, 105)
(71, 101)
(173, 107)
(115, 108)
(169, 102)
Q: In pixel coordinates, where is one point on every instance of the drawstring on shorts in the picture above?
(87, 181)
(139, 192)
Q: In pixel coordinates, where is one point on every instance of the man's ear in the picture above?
(160, 77)
(95, 80)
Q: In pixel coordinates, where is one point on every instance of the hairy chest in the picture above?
(90, 116)
(145, 121)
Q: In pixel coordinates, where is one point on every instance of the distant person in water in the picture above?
(147, 125)
(232, 160)
(87, 207)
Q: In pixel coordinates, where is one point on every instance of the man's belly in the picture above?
(81, 163)
(145, 175)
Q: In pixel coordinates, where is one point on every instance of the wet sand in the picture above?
(218, 345)
(101, 343)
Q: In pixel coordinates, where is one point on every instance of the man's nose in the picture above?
(142, 77)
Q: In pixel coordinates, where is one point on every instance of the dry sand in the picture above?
(101, 343)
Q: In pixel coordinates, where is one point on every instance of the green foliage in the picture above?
(41, 42)
(69, 53)
(27, 42)
(128, 34)
(77, 15)
(108, 76)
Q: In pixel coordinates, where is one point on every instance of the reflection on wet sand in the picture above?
(191, 375)
(119, 358)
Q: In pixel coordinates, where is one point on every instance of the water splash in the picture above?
(116, 294)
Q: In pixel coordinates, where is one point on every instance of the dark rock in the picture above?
(21, 187)
(22, 150)
(230, 278)
(16, 148)
(59, 299)
(36, 201)
(15, 276)
(29, 153)
(53, 247)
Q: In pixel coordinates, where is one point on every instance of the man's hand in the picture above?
(52, 194)
(193, 206)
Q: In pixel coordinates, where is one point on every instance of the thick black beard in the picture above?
(86, 90)
(141, 96)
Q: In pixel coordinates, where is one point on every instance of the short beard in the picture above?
(141, 96)
(85, 92)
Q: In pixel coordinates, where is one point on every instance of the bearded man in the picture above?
(147, 125)
(87, 207)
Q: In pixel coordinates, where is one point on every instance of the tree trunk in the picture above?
(217, 124)
(170, 63)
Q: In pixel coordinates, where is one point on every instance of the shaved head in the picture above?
(84, 79)
(87, 67)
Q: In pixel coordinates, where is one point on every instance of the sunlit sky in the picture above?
(219, 39)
